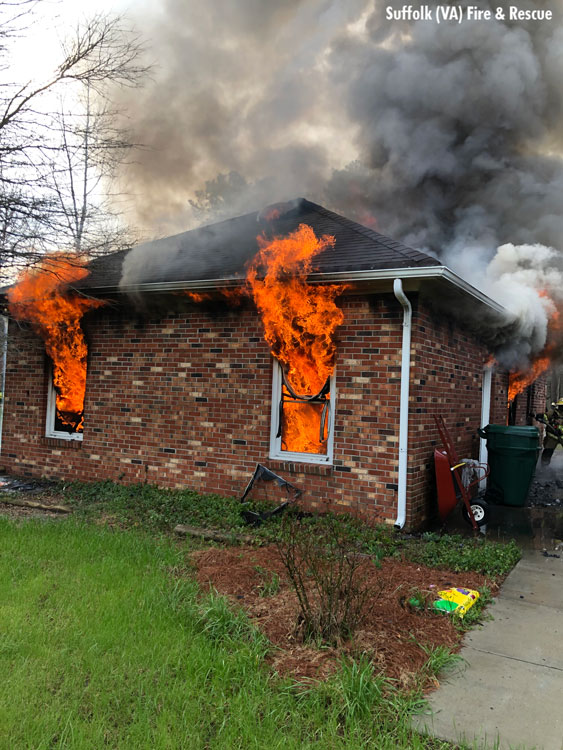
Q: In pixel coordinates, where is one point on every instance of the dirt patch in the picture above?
(390, 632)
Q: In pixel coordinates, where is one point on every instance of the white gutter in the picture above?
(404, 404)
(485, 416)
(423, 272)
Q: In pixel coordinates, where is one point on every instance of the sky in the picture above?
(39, 46)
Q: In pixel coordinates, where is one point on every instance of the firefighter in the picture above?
(553, 419)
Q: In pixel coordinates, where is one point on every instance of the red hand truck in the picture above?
(449, 481)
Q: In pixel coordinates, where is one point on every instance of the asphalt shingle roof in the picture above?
(220, 251)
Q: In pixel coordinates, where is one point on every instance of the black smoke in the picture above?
(445, 136)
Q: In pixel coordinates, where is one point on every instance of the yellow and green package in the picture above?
(457, 600)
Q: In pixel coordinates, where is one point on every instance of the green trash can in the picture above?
(512, 456)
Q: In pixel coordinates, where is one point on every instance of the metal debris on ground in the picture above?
(264, 478)
(16, 493)
(29, 486)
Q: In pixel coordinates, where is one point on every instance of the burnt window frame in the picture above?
(50, 430)
(276, 451)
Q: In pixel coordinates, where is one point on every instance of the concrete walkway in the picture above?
(511, 689)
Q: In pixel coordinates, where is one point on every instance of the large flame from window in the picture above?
(519, 380)
(299, 320)
(42, 297)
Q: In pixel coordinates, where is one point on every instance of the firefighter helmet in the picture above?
(558, 405)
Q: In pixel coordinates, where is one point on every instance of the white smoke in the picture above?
(526, 280)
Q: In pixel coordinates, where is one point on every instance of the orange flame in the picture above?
(41, 297)
(519, 381)
(303, 430)
(198, 297)
(272, 213)
(491, 361)
(299, 321)
(233, 297)
(367, 219)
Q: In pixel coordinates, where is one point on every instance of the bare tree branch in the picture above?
(56, 167)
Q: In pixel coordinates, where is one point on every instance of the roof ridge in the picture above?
(397, 246)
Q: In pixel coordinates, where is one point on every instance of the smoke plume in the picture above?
(445, 136)
(239, 112)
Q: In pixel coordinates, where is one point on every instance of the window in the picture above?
(60, 425)
(301, 425)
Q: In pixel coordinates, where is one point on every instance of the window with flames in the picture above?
(301, 422)
(65, 402)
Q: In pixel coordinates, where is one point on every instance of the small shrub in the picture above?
(328, 573)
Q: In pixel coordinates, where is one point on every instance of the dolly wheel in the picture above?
(480, 512)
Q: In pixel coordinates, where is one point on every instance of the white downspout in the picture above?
(404, 404)
(485, 416)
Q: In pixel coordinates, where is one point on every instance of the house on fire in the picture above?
(182, 389)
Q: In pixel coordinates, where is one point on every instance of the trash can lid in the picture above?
(524, 430)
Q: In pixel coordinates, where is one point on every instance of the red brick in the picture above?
(167, 406)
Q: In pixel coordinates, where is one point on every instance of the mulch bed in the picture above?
(389, 633)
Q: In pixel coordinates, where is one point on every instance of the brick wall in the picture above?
(183, 400)
(447, 376)
(499, 397)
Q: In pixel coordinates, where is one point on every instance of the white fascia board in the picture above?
(423, 272)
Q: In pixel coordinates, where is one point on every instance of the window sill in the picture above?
(296, 467)
(56, 442)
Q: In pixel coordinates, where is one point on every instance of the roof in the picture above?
(215, 256)
(219, 252)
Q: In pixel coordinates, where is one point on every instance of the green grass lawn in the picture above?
(104, 644)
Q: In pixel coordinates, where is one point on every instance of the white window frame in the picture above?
(276, 452)
(50, 431)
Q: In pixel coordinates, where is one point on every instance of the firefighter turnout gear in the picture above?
(553, 420)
